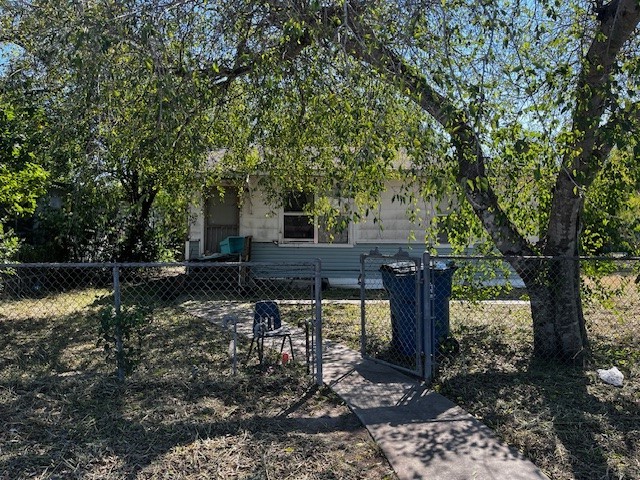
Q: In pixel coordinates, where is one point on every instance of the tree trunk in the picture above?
(135, 245)
(559, 331)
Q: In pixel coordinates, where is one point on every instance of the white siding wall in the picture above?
(263, 223)
(258, 219)
(393, 218)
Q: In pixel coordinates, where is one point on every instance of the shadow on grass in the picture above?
(563, 418)
(65, 415)
(54, 423)
(46, 344)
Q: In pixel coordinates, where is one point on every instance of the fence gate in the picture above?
(396, 327)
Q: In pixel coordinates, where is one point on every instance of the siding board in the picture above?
(341, 265)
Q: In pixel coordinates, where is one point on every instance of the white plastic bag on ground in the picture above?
(612, 376)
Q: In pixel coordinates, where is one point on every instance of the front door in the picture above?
(222, 216)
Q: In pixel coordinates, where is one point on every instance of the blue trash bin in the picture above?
(399, 279)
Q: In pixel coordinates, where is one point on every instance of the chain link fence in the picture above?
(515, 309)
(485, 312)
(405, 311)
(390, 294)
(483, 318)
(118, 302)
(56, 320)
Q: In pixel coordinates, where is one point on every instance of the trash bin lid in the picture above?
(399, 268)
(409, 268)
(450, 265)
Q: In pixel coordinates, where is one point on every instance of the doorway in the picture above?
(222, 219)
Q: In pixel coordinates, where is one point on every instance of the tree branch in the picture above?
(619, 20)
(471, 161)
(586, 154)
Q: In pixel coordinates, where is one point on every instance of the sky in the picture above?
(6, 51)
(3, 58)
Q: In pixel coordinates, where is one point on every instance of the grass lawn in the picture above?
(182, 414)
(566, 420)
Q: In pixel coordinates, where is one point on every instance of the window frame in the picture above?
(289, 212)
(284, 213)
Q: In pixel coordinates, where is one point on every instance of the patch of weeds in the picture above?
(121, 335)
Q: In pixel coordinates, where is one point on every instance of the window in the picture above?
(298, 225)
(301, 227)
(339, 235)
(442, 236)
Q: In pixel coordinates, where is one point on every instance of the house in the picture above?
(287, 233)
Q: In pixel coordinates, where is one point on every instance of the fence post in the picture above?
(363, 281)
(427, 320)
(117, 330)
(420, 326)
(116, 289)
(318, 325)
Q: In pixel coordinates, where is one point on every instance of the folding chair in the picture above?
(267, 323)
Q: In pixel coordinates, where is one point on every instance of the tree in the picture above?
(22, 180)
(597, 109)
(124, 128)
(530, 99)
(514, 107)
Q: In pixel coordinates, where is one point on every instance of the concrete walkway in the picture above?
(423, 435)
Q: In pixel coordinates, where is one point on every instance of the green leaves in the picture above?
(612, 208)
(128, 120)
(121, 335)
(305, 101)
(22, 182)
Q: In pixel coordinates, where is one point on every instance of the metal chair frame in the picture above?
(267, 323)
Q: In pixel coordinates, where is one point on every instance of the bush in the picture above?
(121, 334)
